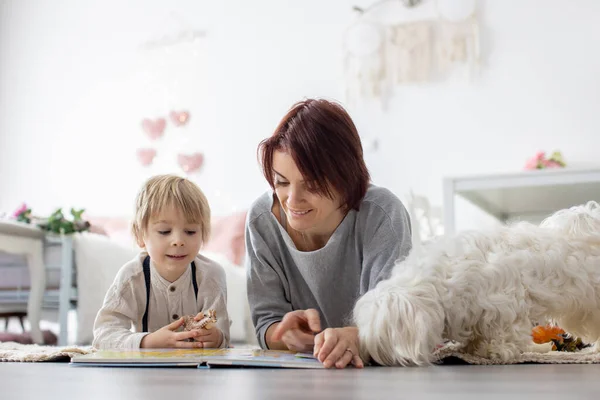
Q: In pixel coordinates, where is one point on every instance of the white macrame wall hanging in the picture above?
(379, 55)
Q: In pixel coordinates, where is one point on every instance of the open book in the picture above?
(198, 358)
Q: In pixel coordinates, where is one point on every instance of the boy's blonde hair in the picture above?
(162, 191)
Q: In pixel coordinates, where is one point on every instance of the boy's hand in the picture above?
(209, 338)
(166, 337)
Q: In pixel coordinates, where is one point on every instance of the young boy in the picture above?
(172, 221)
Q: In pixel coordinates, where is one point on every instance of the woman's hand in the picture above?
(166, 337)
(297, 330)
(339, 347)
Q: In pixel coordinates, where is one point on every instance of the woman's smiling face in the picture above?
(307, 210)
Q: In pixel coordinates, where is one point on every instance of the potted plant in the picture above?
(58, 224)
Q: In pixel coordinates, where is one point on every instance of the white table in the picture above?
(521, 194)
(66, 284)
(18, 238)
(29, 240)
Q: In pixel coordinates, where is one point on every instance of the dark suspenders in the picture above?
(147, 279)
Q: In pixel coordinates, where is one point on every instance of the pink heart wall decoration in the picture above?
(154, 128)
(180, 118)
(190, 162)
(146, 156)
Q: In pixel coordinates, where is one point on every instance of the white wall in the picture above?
(74, 87)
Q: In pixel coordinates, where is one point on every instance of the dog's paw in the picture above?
(496, 350)
(540, 347)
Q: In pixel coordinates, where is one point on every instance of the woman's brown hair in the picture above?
(325, 145)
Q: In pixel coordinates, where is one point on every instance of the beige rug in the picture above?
(584, 356)
(11, 351)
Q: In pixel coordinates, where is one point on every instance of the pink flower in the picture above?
(539, 161)
(551, 164)
(20, 210)
(532, 163)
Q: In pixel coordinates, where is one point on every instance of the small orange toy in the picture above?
(545, 334)
(561, 340)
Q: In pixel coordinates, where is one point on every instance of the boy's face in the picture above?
(172, 242)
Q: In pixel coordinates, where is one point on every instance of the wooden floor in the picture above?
(62, 381)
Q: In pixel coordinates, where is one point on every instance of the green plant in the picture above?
(59, 224)
(25, 216)
(22, 214)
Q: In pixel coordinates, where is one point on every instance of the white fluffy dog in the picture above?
(486, 290)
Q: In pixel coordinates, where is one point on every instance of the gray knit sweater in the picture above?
(360, 253)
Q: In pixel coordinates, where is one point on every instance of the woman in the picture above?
(322, 238)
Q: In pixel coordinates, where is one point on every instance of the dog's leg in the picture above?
(507, 342)
(499, 350)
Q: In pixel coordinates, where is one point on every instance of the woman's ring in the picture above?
(350, 350)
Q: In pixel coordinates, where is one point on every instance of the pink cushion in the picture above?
(227, 237)
(108, 226)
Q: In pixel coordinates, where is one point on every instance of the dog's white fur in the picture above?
(486, 290)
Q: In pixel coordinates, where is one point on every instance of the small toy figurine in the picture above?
(210, 318)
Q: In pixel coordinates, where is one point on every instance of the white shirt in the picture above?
(125, 302)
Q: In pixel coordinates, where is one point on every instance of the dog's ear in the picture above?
(423, 324)
(399, 324)
(579, 222)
